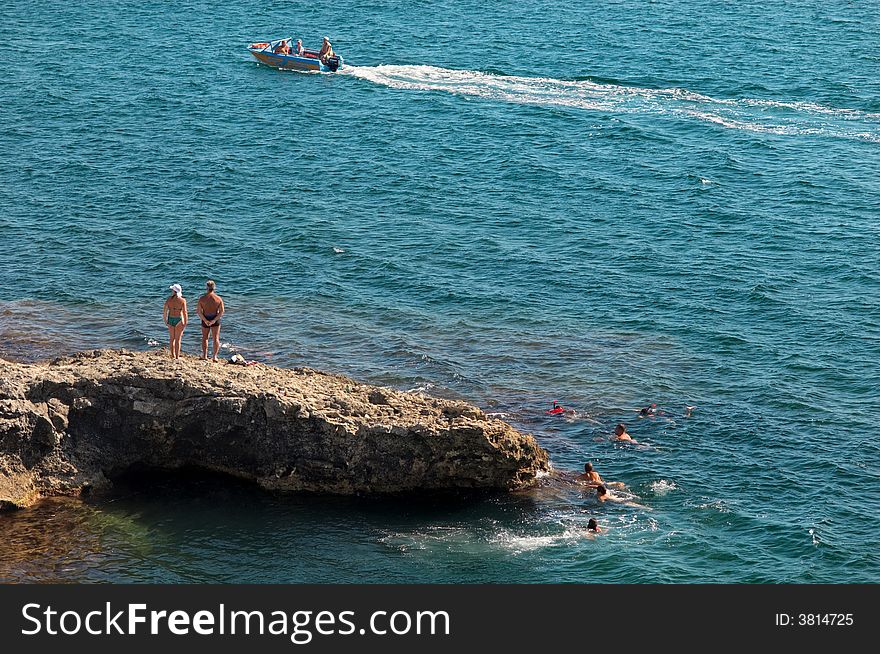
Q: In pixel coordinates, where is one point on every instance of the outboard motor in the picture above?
(333, 63)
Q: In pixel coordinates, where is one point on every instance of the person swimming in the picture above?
(593, 526)
(556, 410)
(592, 479)
(648, 411)
(620, 434)
(603, 495)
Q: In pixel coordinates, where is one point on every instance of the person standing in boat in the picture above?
(175, 317)
(210, 310)
(326, 50)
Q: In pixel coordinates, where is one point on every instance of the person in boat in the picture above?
(210, 310)
(175, 316)
(282, 48)
(326, 50)
(298, 49)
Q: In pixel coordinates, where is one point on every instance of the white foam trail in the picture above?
(755, 115)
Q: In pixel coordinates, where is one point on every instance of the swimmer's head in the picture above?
(588, 467)
(601, 491)
(620, 429)
(592, 525)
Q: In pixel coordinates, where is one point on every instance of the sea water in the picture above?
(609, 205)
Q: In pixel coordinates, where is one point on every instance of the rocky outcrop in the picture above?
(75, 423)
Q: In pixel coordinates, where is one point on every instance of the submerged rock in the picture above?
(77, 422)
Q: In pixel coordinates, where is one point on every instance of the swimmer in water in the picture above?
(620, 434)
(556, 409)
(593, 526)
(603, 495)
(591, 478)
(648, 411)
(689, 411)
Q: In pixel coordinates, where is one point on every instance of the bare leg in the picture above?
(215, 330)
(171, 340)
(205, 343)
(178, 336)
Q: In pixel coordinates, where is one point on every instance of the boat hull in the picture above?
(293, 62)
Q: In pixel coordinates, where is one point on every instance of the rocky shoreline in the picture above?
(74, 424)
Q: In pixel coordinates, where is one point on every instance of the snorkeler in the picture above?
(556, 410)
(644, 412)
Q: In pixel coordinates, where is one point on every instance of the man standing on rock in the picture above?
(210, 310)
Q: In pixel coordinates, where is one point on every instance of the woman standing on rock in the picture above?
(175, 317)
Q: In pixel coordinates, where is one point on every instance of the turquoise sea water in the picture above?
(611, 205)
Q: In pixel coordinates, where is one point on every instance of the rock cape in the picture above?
(73, 424)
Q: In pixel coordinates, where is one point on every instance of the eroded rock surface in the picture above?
(76, 422)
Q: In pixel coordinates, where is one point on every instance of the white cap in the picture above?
(178, 291)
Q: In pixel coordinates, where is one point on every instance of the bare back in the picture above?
(175, 306)
(211, 304)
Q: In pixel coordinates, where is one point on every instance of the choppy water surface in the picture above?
(612, 205)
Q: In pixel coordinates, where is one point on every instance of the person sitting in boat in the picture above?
(282, 48)
(298, 48)
(326, 50)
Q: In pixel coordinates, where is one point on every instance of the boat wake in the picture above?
(755, 115)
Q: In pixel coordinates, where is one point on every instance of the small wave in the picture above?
(518, 543)
(662, 486)
(421, 388)
(749, 114)
(717, 505)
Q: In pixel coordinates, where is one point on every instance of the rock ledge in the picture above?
(73, 424)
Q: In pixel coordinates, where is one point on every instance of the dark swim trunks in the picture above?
(210, 316)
